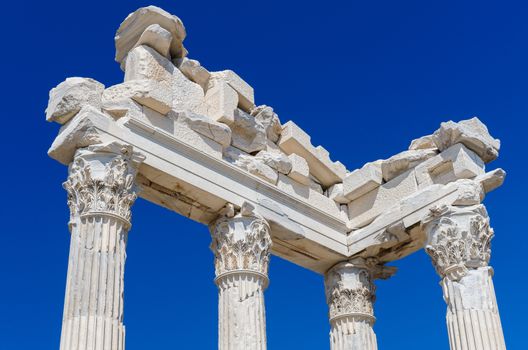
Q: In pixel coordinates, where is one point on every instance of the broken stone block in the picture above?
(277, 161)
(246, 98)
(70, 96)
(365, 209)
(144, 62)
(250, 163)
(78, 133)
(215, 131)
(424, 142)
(157, 38)
(315, 185)
(177, 129)
(221, 101)
(456, 162)
(491, 180)
(134, 25)
(309, 195)
(401, 162)
(300, 171)
(148, 93)
(272, 147)
(361, 181)
(472, 133)
(263, 171)
(186, 94)
(295, 140)
(118, 105)
(469, 192)
(194, 71)
(247, 134)
(270, 120)
(336, 193)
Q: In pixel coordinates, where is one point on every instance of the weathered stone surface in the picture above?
(363, 180)
(315, 185)
(67, 98)
(193, 70)
(491, 180)
(472, 133)
(178, 126)
(270, 120)
(367, 207)
(308, 194)
(272, 147)
(192, 167)
(117, 104)
(263, 171)
(277, 161)
(246, 99)
(148, 93)
(235, 156)
(300, 171)
(157, 38)
(424, 142)
(456, 162)
(247, 134)
(469, 192)
(78, 133)
(143, 62)
(221, 101)
(187, 95)
(336, 193)
(242, 247)
(101, 190)
(251, 164)
(215, 131)
(295, 140)
(458, 242)
(135, 24)
(401, 162)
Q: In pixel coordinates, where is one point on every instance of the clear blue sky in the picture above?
(362, 77)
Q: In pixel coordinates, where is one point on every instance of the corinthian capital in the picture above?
(241, 242)
(350, 289)
(458, 238)
(101, 180)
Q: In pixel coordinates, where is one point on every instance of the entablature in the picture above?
(206, 144)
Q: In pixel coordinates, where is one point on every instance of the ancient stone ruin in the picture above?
(195, 142)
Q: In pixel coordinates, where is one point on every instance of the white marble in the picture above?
(241, 244)
(210, 148)
(458, 242)
(350, 294)
(101, 191)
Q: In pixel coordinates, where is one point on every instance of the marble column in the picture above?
(101, 189)
(350, 294)
(241, 244)
(458, 242)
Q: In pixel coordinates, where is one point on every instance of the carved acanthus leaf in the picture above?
(241, 243)
(349, 291)
(457, 242)
(111, 190)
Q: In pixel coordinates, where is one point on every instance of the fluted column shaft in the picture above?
(100, 190)
(350, 294)
(241, 244)
(458, 242)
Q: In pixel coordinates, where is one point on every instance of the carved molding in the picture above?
(241, 243)
(458, 238)
(101, 180)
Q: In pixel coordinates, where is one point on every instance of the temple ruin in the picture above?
(195, 141)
